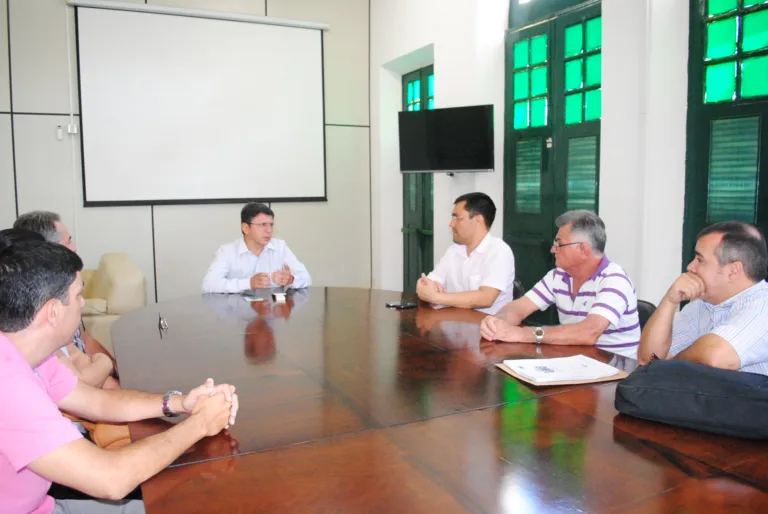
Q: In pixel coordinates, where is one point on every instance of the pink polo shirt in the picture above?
(30, 426)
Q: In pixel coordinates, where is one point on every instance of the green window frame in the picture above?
(530, 88)
(735, 50)
(582, 65)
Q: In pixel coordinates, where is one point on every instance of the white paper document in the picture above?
(578, 367)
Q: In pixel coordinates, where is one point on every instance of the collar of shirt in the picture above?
(243, 248)
(481, 248)
(759, 288)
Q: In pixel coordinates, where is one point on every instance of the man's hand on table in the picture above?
(496, 329)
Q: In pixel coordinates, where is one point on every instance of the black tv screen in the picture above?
(453, 140)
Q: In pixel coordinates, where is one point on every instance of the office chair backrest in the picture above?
(517, 290)
(644, 311)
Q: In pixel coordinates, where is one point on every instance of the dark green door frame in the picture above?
(703, 115)
(418, 210)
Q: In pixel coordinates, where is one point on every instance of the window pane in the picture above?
(539, 81)
(750, 3)
(431, 104)
(593, 108)
(573, 78)
(594, 69)
(733, 170)
(755, 31)
(417, 105)
(521, 115)
(539, 112)
(582, 173)
(417, 90)
(594, 34)
(539, 50)
(431, 86)
(720, 82)
(573, 105)
(520, 54)
(574, 40)
(721, 6)
(721, 38)
(521, 85)
(410, 92)
(528, 176)
(754, 77)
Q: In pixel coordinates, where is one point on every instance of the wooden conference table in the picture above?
(347, 406)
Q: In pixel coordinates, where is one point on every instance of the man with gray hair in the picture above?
(48, 224)
(725, 325)
(595, 299)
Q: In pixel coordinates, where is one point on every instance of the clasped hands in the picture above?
(215, 406)
(429, 290)
(281, 277)
(496, 329)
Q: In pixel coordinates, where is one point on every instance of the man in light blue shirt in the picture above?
(725, 325)
(256, 260)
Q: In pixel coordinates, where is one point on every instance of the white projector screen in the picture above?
(178, 109)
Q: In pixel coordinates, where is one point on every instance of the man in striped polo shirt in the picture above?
(595, 299)
(725, 325)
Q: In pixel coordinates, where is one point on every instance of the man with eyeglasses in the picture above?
(478, 272)
(595, 299)
(256, 260)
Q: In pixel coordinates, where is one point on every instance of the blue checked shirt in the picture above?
(742, 320)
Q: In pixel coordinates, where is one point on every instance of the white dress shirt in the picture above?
(235, 264)
(491, 264)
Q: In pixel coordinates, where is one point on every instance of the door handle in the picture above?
(406, 230)
(425, 232)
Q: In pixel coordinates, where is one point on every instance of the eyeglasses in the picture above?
(558, 244)
(459, 218)
(265, 224)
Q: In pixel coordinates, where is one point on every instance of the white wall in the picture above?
(48, 174)
(466, 38)
(642, 161)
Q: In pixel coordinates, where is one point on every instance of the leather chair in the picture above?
(517, 290)
(116, 287)
(644, 311)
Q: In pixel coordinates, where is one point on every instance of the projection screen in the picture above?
(183, 109)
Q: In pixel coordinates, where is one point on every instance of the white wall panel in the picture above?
(255, 7)
(40, 72)
(7, 193)
(346, 53)
(5, 80)
(333, 239)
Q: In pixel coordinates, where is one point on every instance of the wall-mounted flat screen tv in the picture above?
(453, 140)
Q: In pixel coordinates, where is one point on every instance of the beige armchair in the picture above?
(115, 288)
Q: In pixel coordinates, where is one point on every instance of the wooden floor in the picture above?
(347, 406)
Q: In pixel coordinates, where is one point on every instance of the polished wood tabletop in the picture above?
(348, 406)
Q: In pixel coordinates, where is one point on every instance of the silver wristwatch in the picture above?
(539, 333)
(167, 412)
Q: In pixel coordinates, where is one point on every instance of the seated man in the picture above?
(255, 260)
(40, 301)
(478, 271)
(725, 325)
(596, 302)
(49, 225)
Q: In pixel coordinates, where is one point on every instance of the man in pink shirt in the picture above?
(40, 302)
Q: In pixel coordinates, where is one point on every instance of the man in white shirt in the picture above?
(478, 271)
(595, 299)
(256, 260)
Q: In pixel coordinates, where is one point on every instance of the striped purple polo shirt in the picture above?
(608, 293)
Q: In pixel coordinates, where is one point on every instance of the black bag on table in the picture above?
(691, 395)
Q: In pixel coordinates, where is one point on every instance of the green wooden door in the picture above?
(418, 246)
(552, 134)
(727, 164)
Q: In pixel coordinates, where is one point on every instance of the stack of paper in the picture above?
(576, 368)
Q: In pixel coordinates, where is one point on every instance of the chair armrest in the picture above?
(120, 282)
